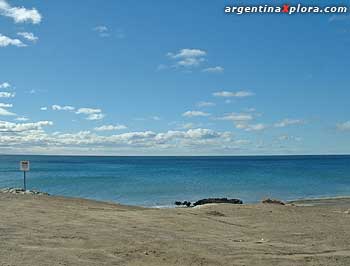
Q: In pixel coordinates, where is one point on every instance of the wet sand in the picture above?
(45, 230)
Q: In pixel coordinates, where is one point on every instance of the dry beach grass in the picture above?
(45, 230)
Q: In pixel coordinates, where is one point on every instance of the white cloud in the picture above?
(20, 14)
(6, 105)
(22, 127)
(28, 36)
(92, 113)
(228, 94)
(88, 111)
(195, 114)
(6, 41)
(5, 112)
(188, 57)
(95, 116)
(217, 69)
(237, 117)
(188, 53)
(251, 127)
(57, 107)
(155, 118)
(205, 104)
(288, 122)
(190, 62)
(44, 108)
(4, 94)
(5, 85)
(100, 28)
(110, 127)
(21, 119)
(103, 31)
(32, 135)
(344, 126)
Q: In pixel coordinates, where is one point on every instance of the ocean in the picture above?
(159, 181)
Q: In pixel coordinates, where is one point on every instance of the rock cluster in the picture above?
(217, 200)
(208, 201)
(273, 201)
(22, 191)
(183, 204)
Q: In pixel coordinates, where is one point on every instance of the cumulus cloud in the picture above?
(22, 127)
(5, 112)
(5, 85)
(5, 94)
(28, 36)
(6, 105)
(110, 127)
(287, 122)
(344, 126)
(102, 31)
(195, 114)
(188, 57)
(7, 41)
(57, 107)
(217, 69)
(205, 104)
(44, 108)
(20, 14)
(229, 94)
(92, 113)
(32, 134)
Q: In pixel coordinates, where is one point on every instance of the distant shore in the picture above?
(50, 230)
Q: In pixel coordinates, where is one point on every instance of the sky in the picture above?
(171, 78)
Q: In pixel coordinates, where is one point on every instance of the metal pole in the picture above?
(24, 180)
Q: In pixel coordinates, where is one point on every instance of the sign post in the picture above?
(24, 166)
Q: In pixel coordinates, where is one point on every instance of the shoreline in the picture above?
(317, 200)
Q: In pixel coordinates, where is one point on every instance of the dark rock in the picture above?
(273, 201)
(217, 200)
(185, 203)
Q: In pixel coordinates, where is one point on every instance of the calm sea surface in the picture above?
(159, 181)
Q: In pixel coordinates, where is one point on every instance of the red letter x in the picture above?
(285, 9)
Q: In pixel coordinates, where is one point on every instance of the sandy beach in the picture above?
(47, 230)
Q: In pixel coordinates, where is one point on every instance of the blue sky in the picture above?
(171, 78)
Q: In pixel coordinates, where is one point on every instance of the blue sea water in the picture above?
(159, 181)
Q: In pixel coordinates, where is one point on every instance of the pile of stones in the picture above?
(22, 191)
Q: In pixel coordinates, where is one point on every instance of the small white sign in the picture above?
(24, 166)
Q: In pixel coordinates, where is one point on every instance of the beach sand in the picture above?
(45, 230)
